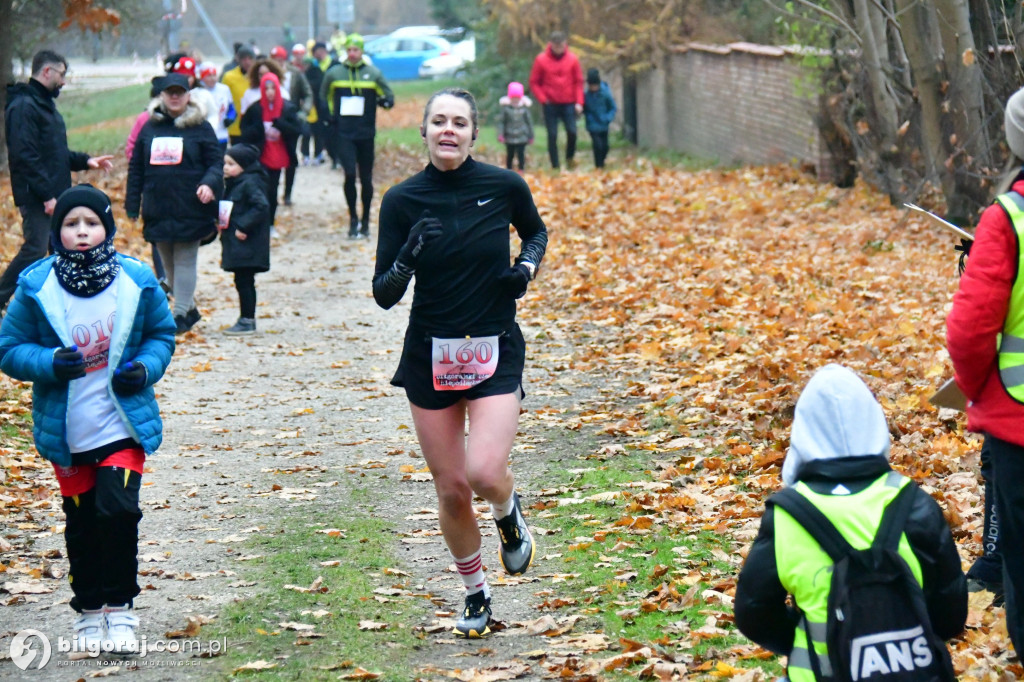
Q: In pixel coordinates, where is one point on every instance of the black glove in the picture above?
(129, 378)
(964, 247)
(68, 363)
(427, 229)
(514, 280)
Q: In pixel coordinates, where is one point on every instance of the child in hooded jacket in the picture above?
(838, 460)
(245, 238)
(515, 125)
(92, 331)
(598, 111)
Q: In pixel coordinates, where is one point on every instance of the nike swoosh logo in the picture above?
(481, 202)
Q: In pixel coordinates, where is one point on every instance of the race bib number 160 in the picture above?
(459, 364)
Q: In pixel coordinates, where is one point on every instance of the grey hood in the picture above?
(836, 416)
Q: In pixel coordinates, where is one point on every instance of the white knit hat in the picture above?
(1015, 123)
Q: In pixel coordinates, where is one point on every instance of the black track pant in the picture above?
(102, 536)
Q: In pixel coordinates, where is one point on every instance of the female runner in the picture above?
(464, 353)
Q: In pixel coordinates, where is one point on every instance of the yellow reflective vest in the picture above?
(805, 570)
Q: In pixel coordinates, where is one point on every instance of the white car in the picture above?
(450, 65)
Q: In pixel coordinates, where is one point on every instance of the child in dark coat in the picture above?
(599, 111)
(245, 231)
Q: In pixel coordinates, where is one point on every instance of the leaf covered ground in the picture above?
(674, 322)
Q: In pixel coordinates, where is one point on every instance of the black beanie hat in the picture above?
(82, 195)
(593, 77)
(244, 154)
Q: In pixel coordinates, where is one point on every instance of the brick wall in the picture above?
(738, 103)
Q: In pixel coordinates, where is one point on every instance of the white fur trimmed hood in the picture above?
(193, 116)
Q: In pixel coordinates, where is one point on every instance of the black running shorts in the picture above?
(415, 375)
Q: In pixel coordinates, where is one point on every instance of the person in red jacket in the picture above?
(556, 81)
(982, 331)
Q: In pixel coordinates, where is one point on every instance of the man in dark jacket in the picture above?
(838, 460)
(40, 161)
(353, 90)
(319, 115)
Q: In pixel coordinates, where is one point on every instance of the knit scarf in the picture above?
(87, 273)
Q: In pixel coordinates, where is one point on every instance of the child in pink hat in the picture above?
(515, 126)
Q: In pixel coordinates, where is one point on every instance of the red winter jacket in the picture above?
(557, 80)
(978, 313)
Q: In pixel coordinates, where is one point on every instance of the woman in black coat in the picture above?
(176, 174)
(273, 126)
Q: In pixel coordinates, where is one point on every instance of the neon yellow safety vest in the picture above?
(805, 570)
(1011, 343)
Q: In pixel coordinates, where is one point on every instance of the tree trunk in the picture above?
(920, 38)
(6, 21)
(883, 104)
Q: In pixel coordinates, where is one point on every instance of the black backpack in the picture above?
(878, 629)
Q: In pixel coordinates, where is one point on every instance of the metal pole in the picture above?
(212, 29)
(310, 15)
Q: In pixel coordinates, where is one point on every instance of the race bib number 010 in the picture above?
(459, 364)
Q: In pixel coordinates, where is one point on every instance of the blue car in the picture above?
(399, 57)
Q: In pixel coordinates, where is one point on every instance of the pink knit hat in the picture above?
(515, 89)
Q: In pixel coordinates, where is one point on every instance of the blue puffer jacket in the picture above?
(599, 108)
(35, 326)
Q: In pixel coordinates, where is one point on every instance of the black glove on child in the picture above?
(427, 229)
(68, 363)
(515, 280)
(129, 378)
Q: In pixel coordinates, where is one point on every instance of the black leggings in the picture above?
(357, 154)
(289, 182)
(245, 284)
(515, 150)
(273, 181)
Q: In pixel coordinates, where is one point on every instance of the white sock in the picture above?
(500, 511)
(471, 570)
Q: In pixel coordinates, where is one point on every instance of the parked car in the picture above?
(450, 65)
(399, 58)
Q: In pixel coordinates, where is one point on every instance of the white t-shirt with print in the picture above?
(93, 420)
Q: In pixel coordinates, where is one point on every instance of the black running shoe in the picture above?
(473, 623)
(517, 547)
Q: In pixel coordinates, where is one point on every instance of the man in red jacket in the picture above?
(556, 80)
(983, 335)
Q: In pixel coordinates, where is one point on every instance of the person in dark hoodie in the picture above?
(272, 124)
(245, 229)
(176, 176)
(598, 111)
(39, 159)
(838, 460)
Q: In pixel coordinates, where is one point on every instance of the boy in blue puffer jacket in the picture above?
(599, 110)
(92, 331)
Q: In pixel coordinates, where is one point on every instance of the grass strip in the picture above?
(642, 582)
(344, 566)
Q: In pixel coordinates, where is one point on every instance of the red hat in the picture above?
(279, 52)
(207, 69)
(186, 66)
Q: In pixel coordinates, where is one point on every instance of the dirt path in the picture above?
(304, 400)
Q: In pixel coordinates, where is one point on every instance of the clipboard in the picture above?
(950, 396)
(945, 224)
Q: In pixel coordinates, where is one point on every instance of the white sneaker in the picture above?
(88, 630)
(121, 626)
